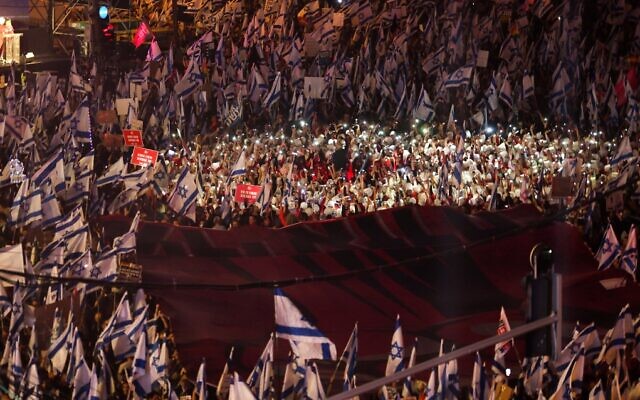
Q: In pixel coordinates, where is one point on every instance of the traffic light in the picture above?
(540, 293)
(105, 27)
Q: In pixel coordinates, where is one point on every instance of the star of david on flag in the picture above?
(609, 250)
(309, 341)
(395, 361)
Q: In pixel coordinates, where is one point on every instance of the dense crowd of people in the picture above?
(290, 111)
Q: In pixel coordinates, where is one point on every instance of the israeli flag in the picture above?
(587, 338)
(424, 110)
(274, 94)
(191, 80)
(629, 261)
(51, 213)
(59, 349)
(460, 77)
(27, 206)
(314, 383)
(479, 381)
(505, 93)
(81, 123)
(240, 167)
(260, 378)
(395, 360)
(139, 377)
(609, 250)
(293, 384)
(201, 383)
(184, 194)
(292, 325)
(624, 151)
(53, 171)
(350, 358)
(112, 174)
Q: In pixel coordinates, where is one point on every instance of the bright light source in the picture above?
(103, 12)
(29, 55)
(508, 371)
(2, 20)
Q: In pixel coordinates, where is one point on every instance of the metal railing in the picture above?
(461, 352)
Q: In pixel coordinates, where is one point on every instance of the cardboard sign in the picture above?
(482, 59)
(144, 157)
(122, 106)
(106, 117)
(247, 192)
(132, 137)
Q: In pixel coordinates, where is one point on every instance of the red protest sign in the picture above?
(141, 35)
(247, 192)
(144, 157)
(132, 137)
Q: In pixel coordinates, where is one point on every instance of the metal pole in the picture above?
(174, 14)
(463, 351)
(557, 308)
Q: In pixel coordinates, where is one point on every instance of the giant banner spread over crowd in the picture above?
(453, 295)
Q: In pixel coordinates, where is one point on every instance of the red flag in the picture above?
(632, 78)
(620, 92)
(142, 34)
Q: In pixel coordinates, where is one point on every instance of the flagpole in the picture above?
(333, 377)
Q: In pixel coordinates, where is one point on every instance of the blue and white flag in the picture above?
(609, 250)
(51, 213)
(587, 338)
(201, 383)
(12, 259)
(159, 363)
(624, 151)
(293, 384)
(616, 339)
(407, 387)
(262, 374)
(314, 383)
(577, 373)
(112, 174)
(240, 167)
(239, 390)
(350, 359)
(139, 376)
(81, 123)
(190, 82)
(479, 381)
(424, 110)
(395, 360)
(527, 86)
(309, 341)
(74, 221)
(52, 171)
(59, 349)
(31, 383)
(127, 243)
(183, 198)
(274, 93)
(505, 93)
(629, 261)
(16, 371)
(27, 205)
(225, 378)
(460, 77)
(19, 130)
